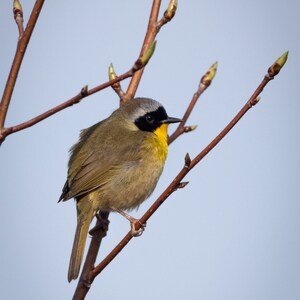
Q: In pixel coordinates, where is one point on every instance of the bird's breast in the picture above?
(134, 181)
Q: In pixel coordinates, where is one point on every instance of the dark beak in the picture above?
(170, 120)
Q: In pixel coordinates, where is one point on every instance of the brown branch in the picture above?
(83, 287)
(100, 232)
(14, 71)
(203, 85)
(76, 99)
(141, 62)
(151, 33)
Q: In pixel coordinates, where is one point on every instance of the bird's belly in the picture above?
(130, 185)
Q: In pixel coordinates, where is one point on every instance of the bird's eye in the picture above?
(150, 119)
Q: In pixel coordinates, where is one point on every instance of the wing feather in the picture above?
(91, 158)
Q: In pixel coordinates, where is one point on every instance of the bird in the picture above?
(115, 166)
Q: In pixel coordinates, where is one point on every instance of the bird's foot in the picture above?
(101, 226)
(137, 228)
(136, 223)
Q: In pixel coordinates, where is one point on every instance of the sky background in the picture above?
(233, 232)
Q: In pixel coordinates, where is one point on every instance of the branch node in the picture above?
(84, 91)
(182, 184)
(187, 161)
(87, 284)
(2, 138)
(144, 59)
(268, 77)
(254, 101)
(189, 128)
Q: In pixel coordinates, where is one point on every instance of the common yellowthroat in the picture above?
(115, 166)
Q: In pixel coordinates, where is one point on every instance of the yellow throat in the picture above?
(162, 133)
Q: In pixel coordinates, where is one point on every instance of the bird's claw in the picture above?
(137, 232)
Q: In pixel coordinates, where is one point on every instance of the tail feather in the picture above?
(81, 233)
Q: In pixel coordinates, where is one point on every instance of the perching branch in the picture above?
(24, 38)
(99, 232)
(84, 286)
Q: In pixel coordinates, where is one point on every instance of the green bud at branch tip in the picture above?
(111, 72)
(278, 64)
(84, 91)
(193, 127)
(171, 10)
(189, 128)
(282, 59)
(17, 7)
(148, 54)
(209, 75)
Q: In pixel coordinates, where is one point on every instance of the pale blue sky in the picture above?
(233, 232)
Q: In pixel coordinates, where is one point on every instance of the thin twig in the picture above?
(149, 39)
(68, 103)
(14, 71)
(203, 85)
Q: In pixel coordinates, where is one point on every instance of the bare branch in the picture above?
(151, 33)
(14, 71)
(203, 85)
(98, 233)
(140, 63)
(76, 99)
